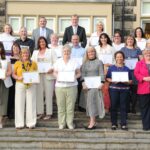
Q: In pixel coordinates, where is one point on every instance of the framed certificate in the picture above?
(106, 58)
(131, 63)
(2, 73)
(44, 67)
(120, 77)
(92, 82)
(66, 76)
(31, 77)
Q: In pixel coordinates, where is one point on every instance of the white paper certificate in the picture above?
(31, 77)
(2, 73)
(44, 67)
(66, 76)
(120, 77)
(106, 58)
(131, 63)
(92, 82)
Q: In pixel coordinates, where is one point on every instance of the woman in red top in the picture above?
(142, 74)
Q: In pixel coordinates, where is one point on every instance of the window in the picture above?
(50, 23)
(145, 8)
(146, 27)
(96, 20)
(15, 23)
(85, 22)
(30, 23)
(63, 23)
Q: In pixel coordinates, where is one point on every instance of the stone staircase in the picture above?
(47, 136)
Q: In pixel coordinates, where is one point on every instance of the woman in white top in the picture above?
(140, 38)
(55, 45)
(47, 80)
(4, 87)
(7, 38)
(66, 87)
(105, 48)
(93, 41)
(117, 41)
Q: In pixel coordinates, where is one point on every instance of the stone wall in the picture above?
(124, 16)
(2, 14)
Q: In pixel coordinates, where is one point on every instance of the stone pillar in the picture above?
(2, 14)
(125, 19)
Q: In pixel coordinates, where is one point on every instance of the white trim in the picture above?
(88, 25)
(146, 14)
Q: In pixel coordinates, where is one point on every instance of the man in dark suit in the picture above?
(75, 29)
(41, 31)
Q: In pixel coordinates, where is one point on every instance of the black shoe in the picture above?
(113, 127)
(81, 109)
(92, 128)
(124, 128)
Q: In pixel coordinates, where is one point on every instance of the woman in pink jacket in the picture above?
(142, 74)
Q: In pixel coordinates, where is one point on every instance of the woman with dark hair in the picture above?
(117, 41)
(105, 49)
(43, 56)
(132, 54)
(15, 56)
(5, 68)
(119, 91)
(140, 38)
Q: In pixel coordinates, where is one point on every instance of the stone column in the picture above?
(2, 14)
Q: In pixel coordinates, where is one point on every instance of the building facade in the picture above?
(124, 15)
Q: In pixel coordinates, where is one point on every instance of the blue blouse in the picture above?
(120, 85)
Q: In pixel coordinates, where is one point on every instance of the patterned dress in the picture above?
(92, 99)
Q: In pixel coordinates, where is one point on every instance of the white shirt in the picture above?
(58, 50)
(43, 32)
(93, 40)
(75, 29)
(71, 65)
(107, 50)
(7, 40)
(141, 44)
(118, 46)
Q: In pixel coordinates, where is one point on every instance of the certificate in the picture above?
(31, 77)
(66, 76)
(131, 63)
(44, 67)
(120, 77)
(92, 82)
(106, 58)
(2, 73)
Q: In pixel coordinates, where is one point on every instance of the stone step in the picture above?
(80, 123)
(106, 140)
(76, 133)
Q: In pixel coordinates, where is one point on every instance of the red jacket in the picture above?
(141, 71)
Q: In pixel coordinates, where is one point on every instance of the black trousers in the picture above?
(119, 100)
(144, 101)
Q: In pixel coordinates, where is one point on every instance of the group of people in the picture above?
(99, 74)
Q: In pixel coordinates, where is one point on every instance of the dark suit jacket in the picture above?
(80, 32)
(36, 35)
